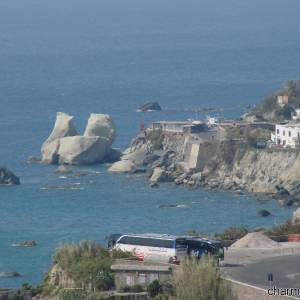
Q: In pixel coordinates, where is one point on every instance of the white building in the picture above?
(296, 115)
(287, 135)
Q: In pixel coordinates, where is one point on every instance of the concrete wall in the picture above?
(131, 278)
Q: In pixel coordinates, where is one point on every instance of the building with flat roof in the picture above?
(133, 272)
(287, 135)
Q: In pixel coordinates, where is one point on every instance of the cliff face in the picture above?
(257, 171)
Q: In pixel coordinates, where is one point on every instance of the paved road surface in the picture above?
(285, 269)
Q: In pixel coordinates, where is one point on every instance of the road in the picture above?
(285, 270)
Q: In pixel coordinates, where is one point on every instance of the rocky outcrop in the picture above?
(26, 244)
(159, 175)
(63, 127)
(82, 150)
(150, 106)
(8, 178)
(296, 216)
(9, 274)
(101, 125)
(123, 166)
(65, 146)
(263, 213)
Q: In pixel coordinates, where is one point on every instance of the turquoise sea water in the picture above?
(111, 56)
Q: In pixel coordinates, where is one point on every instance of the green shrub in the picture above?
(232, 234)
(284, 112)
(255, 135)
(154, 288)
(133, 289)
(201, 280)
(86, 263)
(156, 137)
(283, 230)
(72, 295)
(161, 297)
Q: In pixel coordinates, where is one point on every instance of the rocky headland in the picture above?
(8, 178)
(66, 146)
(225, 164)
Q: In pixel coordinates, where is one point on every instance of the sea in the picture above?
(111, 56)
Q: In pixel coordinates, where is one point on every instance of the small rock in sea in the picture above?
(63, 169)
(29, 243)
(8, 178)
(264, 213)
(9, 274)
(168, 206)
(172, 206)
(150, 106)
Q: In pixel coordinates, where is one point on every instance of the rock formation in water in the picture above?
(29, 243)
(296, 216)
(63, 127)
(65, 146)
(8, 178)
(123, 166)
(150, 106)
(101, 125)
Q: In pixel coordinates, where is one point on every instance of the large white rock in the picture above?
(82, 150)
(101, 125)
(65, 146)
(49, 152)
(158, 175)
(137, 157)
(296, 216)
(63, 127)
(123, 166)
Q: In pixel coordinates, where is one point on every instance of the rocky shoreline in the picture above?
(226, 166)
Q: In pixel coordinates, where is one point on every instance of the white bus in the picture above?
(149, 246)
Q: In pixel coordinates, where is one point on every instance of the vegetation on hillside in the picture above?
(156, 137)
(88, 264)
(232, 233)
(270, 109)
(281, 231)
(201, 280)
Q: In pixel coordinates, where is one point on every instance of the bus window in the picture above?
(148, 242)
(180, 243)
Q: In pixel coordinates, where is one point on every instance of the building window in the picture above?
(283, 132)
(129, 280)
(283, 142)
(290, 134)
(142, 278)
(153, 276)
(277, 131)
